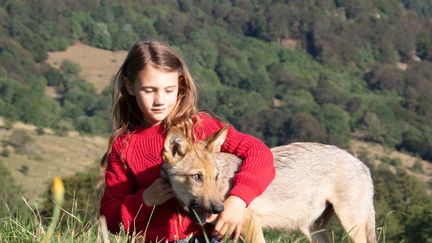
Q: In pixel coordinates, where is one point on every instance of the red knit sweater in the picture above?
(141, 152)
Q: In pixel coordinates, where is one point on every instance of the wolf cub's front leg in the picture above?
(252, 229)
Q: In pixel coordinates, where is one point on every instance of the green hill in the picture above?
(335, 67)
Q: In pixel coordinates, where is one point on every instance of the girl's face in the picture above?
(155, 92)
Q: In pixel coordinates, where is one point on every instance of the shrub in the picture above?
(24, 169)
(5, 153)
(417, 167)
(22, 142)
(396, 161)
(40, 131)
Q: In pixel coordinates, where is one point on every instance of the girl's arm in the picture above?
(121, 203)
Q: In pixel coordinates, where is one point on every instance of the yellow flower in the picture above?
(58, 190)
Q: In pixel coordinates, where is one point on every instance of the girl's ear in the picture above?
(129, 86)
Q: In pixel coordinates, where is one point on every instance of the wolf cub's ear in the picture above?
(214, 142)
(175, 146)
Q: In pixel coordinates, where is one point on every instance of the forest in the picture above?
(281, 70)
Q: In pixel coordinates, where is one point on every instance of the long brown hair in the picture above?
(126, 113)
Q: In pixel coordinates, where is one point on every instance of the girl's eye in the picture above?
(169, 90)
(148, 90)
(197, 177)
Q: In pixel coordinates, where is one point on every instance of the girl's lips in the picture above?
(158, 110)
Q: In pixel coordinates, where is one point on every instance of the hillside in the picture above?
(379, 155)
(94, 61)
(366, 62)
(47, 156)
(334, 67)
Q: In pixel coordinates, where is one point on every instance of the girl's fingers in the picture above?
(221, 234)
(218, 226)
(237, 232)
(212, 218)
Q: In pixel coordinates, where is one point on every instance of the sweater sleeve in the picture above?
(257, 169)
(121, 204)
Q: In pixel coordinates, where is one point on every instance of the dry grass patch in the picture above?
(377, 152)
(56, 156)
(98, 66)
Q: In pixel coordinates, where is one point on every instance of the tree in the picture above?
(266, 124)
(385, 77)
(336, 124)
(413, 140)
(99, 35)
(125, 37)
(303, 127)
(329, 92)
(375, 130)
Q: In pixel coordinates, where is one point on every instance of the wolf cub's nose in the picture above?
(217, 207)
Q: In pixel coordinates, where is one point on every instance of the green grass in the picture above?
(29, 225)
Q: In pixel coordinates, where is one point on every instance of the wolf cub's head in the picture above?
(192, 173)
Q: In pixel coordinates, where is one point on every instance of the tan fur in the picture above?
(313, 182)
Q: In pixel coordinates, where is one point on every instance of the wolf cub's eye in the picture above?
(217, 176)
(197, 177)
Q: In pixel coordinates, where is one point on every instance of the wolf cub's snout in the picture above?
(217, 208)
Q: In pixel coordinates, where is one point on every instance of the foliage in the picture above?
(336, 124)
(406, 197)
(241, 53)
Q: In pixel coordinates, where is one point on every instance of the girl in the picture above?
(153, 91)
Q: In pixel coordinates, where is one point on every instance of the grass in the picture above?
(28, 225)
(30, 228)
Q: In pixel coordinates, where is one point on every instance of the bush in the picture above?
(40, 131)
(417, 166)
(8, 124)
(24, 169)
(22, 142)
(5, 152)
(395, 162)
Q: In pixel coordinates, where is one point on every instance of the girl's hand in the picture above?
(159, 192)
(230, 220)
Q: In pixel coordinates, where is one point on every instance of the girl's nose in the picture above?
(159, 98)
